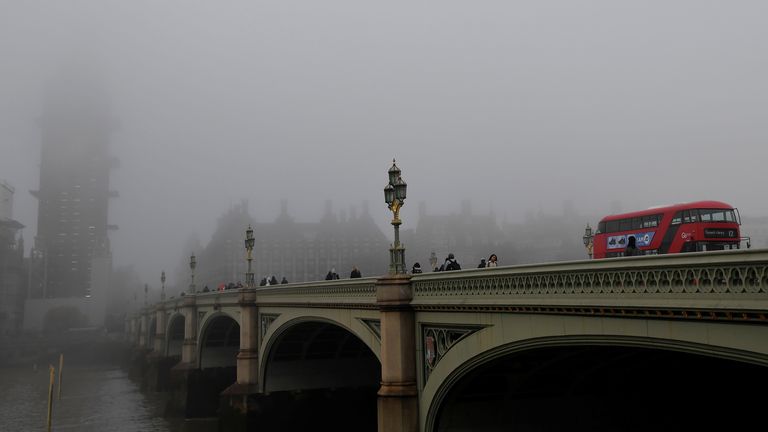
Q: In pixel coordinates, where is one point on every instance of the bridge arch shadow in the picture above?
(219, 342)
(600, 384)
(151, 331)
(320, 374)
(174, 335)
(217, 349)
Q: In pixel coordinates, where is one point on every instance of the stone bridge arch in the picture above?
(174, 335)
(306, 352)
(218, 341)
(555, 338)
(321, 370)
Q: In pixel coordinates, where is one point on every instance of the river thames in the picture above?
(98, 398)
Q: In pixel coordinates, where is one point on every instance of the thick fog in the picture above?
(516, 105)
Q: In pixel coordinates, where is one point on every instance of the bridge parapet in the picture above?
(708, 285)
(346, 293)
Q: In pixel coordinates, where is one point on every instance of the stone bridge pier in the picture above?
(398, 395)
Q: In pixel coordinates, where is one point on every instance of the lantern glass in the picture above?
(394, 173)
(587, 235)
(389, 194)
(249, 241)
(400, 189)
(392, 177)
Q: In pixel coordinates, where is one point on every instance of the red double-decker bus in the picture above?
(689, 227)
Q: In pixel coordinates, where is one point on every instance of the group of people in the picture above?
(451, 264)
(332, 275)
(272, 281)
(493, 261)
(223, 287)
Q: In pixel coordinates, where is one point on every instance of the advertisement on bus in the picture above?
(620, 241)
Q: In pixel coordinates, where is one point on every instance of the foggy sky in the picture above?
(518, 105)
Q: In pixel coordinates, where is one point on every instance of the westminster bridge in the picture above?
(450, 350)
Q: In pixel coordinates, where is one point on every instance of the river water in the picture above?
(94, 398)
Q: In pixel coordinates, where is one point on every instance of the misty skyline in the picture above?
(518, 106)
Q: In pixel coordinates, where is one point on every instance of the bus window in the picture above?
(690, 216)
(601, 227)
(689, 247)
(650, 221)
(611, 226)
(677, 219)
(717, 215)
(625, 224)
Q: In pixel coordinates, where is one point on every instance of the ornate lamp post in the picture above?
(588, 242)
(192, 265)
(162, 286)
(249, 242)
(394, 196)
(433, 260)
(146, 291)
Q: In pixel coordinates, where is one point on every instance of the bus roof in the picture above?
(670, 208)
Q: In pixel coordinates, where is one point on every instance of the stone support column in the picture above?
(242, 404)
(189, 348)
(248, 357)
(159, 348)
(398, 409)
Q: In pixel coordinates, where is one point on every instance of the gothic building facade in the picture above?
(297, 251)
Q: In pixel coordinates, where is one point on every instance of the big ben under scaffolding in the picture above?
(75, 164)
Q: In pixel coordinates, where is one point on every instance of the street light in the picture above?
(192, 265)
(249, 242)
(394, 196)
(146, 291)
(588, 240)
(162, 287)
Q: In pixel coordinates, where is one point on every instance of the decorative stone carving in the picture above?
(374, 326)
(436, 341)
(200, 316)
(265, 321)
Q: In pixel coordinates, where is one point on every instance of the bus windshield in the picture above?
(717, 215)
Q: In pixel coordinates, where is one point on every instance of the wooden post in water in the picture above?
(61, 367)
(52, 371)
